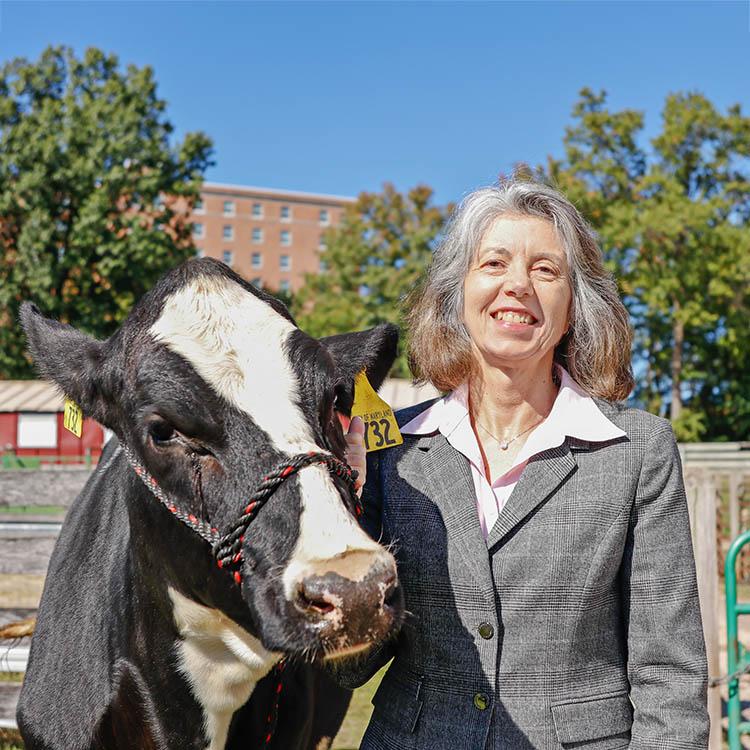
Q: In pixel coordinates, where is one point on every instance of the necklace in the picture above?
(505, 443)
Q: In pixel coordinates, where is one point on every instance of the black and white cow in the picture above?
(142, 641)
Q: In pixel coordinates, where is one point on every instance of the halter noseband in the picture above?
(227, 548)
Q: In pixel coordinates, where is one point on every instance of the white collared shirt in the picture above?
(574, 414)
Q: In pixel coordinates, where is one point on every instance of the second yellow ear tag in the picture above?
(381, 428)
(73, 418)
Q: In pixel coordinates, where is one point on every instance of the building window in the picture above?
(322, 244)
(228, 232)
(286, 213)
(322, 266)
(257, 235)
(257, 260)
(228, 208)
(199, 208)
(257, 282)
(286, 237)
(199, 253)
(226, 256)
(37, 431)
(199, 231)
(257, 211)
(285, 262)
(284, 285)
(324, 217)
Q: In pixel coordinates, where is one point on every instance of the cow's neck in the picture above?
(216, 662)
(221, 661)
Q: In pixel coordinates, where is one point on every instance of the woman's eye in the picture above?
(546, 270)
(494, 264)
(161, 432)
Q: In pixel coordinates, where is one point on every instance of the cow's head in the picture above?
(211, 384)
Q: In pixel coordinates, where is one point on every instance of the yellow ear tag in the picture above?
(73, 418)
(381, 428)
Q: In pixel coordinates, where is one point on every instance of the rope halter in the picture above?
(227, 547)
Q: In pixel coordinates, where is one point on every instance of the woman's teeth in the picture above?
(514, 317)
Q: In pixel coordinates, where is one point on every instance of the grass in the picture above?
(360, 710)
(40, 510)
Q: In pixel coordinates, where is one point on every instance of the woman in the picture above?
(540, 526)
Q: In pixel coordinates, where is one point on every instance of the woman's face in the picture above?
(517, 293)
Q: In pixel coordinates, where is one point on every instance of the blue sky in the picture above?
(340, 97)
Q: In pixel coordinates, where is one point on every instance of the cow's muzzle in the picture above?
(352, 601)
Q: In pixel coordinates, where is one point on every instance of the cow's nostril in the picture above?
(391, 595)
(311, 598)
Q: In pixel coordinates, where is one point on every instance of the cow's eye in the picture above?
(161, 432)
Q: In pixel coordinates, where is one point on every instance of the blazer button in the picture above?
(481, 701)
(486, 630)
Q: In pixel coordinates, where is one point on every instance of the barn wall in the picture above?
(8, 430)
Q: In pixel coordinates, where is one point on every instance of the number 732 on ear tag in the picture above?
(381, 428)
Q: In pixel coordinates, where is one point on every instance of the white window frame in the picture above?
(224, 236)
(199, 234)
(224, 254)
(37, 430)
(257, 214)
(199, 207)
(281, 213)
(232, 211)
(285, 285)
(259, 257)
(324, 222)
(285, 238)
(259, 239)
(288, 266)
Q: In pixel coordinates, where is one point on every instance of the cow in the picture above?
(218, 533)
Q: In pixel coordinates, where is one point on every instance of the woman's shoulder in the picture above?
(405, 415)
(640, 426)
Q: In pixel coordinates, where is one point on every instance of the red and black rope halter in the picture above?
(227, 547)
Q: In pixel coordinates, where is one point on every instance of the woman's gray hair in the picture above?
(596, 350)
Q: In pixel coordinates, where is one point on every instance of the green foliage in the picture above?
(673, 220)
(93, 197)
(374, 258)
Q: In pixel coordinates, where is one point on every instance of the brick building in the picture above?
(271, 237)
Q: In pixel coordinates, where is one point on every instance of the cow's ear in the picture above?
(69, 358)
(372, 351)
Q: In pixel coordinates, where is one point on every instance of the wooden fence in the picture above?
(717, 481)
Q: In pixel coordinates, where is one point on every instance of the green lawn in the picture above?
(360, 709)
(40, 510)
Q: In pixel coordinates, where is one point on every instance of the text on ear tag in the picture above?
(381, 428)
(73, 418)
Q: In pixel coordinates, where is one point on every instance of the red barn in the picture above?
(31, 424)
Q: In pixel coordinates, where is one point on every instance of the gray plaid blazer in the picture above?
(575, 625)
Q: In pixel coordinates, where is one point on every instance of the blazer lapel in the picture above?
(543, 474)
(452, 489)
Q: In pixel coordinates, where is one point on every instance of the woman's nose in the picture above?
(517, 282)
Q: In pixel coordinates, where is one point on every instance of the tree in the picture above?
(673, 220)
(373, 259)
(94, 199)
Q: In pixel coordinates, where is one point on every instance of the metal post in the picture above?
(734, 711)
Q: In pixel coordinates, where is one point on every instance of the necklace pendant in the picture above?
(504, 445)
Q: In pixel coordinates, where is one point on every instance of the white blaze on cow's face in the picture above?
(235, 342)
